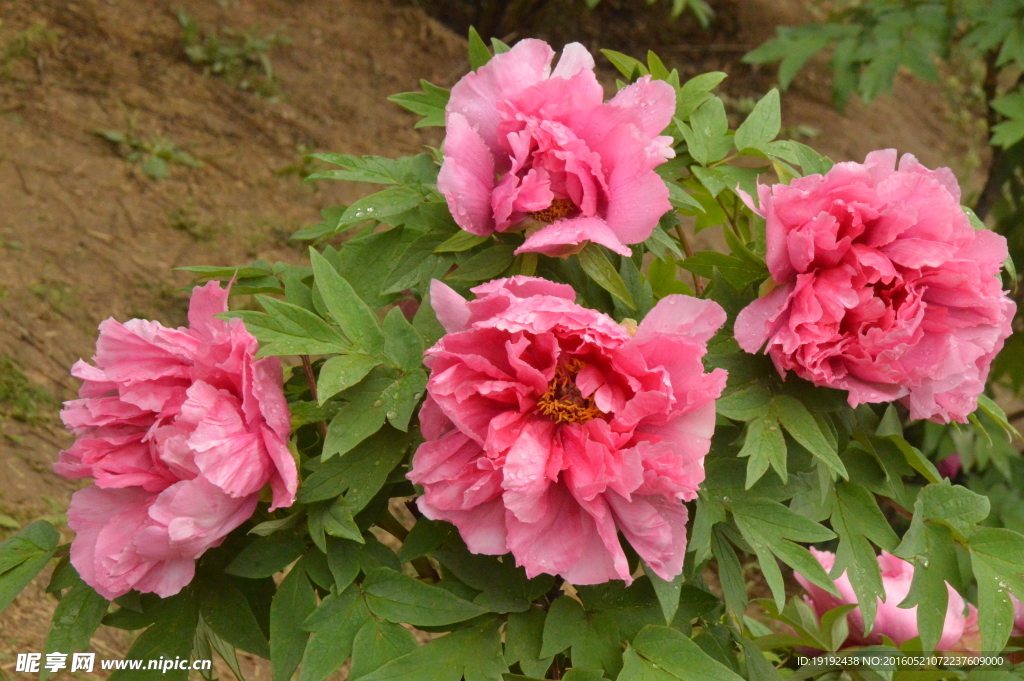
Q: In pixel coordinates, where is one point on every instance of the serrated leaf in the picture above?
(429, 103)
(334, 625)
(803, 427)
(345, 306)
(764, 445)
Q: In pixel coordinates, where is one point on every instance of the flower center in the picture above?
(558, 209)
(562, 401)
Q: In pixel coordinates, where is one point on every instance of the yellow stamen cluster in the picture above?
(558, 209)
(562, 401)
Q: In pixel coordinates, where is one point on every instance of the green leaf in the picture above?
(425, 536)
(930, 548)
(429, 103)
(596, 264)
(225, 609)
(266, 556)
(954, 505)
(22, 556)
(334, 626)
(628, 66)
(856, 518)
(997, 556)
(484, 265)
(706, 138)
(402, 343)
(341, 372)
(293, 602)
(407, 171)
(170, 636)
(473, 653)
(799, 423)
(461, 241)
(565, 624)
(346, 307)
(359, 474)
(695, 92)
(524, 634)
(667, 592)
(499, 47)
(745, 405)
(730, 572)
(361, 417)
(673, 652)
(739, 272)
(764, 445)
(76, 618)
(762, 125)
(399, 598)
(376, 643)
(287, 329)
(770, 528)
(478, 52)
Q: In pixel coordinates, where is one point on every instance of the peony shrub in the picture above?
(505, 424)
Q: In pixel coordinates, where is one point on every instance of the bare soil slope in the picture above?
(85, 234)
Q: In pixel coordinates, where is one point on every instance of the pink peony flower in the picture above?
(525, 142)
(181, 429)
(549, 427)
(884, 289)
(899, 624)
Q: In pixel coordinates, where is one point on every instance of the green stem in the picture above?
(685, 243)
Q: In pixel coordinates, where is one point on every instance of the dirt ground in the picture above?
(85, 234)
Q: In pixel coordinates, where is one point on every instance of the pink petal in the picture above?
(467, 177)
(565, 235)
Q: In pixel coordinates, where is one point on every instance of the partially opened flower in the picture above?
(526, 145)
(883, 287)
(898, 624)
(550, 428)
(181, 430)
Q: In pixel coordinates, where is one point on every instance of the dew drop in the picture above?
(378, 403)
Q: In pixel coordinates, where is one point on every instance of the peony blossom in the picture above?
(180, 429)
(527, 146)
(883, 288)
(899, 624)
(549, 427)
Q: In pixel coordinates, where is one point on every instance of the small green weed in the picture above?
(154, 153)
(26, 45)
(305, 166)
(20, 398)
(184, 220)
(238, 57)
